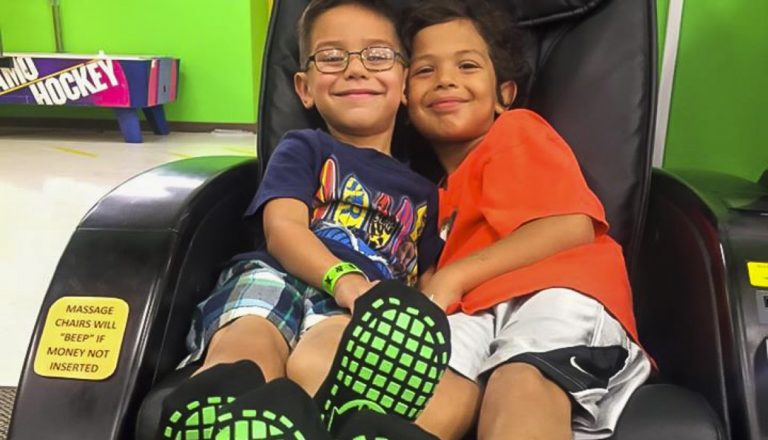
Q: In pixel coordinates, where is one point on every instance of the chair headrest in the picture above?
(535, 12)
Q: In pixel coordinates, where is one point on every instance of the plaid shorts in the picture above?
(252, 287)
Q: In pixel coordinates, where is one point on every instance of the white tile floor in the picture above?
(48, 181)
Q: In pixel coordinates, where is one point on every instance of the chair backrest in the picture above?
(593, 63)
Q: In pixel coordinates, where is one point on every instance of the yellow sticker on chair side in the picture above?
(81, 338)
(758, 273)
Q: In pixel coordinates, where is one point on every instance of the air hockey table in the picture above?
(126, 84)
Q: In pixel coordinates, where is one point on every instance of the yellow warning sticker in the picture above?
(82, 338)
(758, 273)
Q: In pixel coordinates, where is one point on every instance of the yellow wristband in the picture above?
(337, 271)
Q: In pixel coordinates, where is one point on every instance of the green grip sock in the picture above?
(390, 358)
(190, 411)
(279, 410)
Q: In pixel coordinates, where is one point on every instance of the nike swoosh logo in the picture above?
(576, 366)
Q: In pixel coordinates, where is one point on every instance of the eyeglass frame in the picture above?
(399, 57)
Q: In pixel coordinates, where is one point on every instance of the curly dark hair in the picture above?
(495, 24)
(316, 8)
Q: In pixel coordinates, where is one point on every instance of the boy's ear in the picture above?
(507, 94)
(301, 86)
(404, 97)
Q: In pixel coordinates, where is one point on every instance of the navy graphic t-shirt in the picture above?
(366, 207)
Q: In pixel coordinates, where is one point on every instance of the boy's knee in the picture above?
(308, 367)
(301, 363)
(311, 360)
(516, 373)
(248, 337)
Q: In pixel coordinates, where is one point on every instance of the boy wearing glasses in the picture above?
(339, 214)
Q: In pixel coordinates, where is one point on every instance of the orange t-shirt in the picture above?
(522, 171)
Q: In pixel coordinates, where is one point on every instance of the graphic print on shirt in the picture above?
(327, 188)
(382, 228)
(353, 205)
(369, 222)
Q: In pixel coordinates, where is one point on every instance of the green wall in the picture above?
(718, 114)
(661, 14)
(219, 44)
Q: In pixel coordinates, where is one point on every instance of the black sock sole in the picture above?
(280, 410)
(192, 409)
(390, 358)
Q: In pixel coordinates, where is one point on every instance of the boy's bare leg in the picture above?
(249, 337)
(311, 360)
(520, 403)
(452, 410)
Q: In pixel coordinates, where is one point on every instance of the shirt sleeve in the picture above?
(532, 173)
(430, 244)
(291, 172)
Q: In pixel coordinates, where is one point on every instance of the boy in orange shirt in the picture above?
(541, 302)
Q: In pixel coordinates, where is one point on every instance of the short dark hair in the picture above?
(495, 24)
(315, 8)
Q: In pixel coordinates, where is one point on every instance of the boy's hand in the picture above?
(443, 289)
(349, 287)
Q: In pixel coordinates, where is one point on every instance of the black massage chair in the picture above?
(156, 243)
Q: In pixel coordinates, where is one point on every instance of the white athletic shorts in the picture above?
(570, 338)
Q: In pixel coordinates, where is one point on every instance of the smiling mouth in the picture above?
(446, 104)
(357, 94)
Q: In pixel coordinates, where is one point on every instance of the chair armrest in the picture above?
(155, 242)
(667, 412)
(686, 288)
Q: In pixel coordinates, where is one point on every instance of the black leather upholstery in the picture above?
(594, 82)
(148, 418)
(667, 412)
(709, 333)
(547, 11)
(156, 242)
(279, 108)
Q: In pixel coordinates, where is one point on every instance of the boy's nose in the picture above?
(355, 67)
(444, 78)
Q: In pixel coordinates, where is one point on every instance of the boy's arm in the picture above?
(531, 242)
(292, 243)
(425, 277)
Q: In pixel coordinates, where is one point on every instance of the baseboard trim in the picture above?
(111, 124)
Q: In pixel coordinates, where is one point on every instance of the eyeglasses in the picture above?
(374, 58)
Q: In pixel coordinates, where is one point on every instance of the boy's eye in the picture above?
(424, 70)
(468, 66)
(331, 56)
(379, 55)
